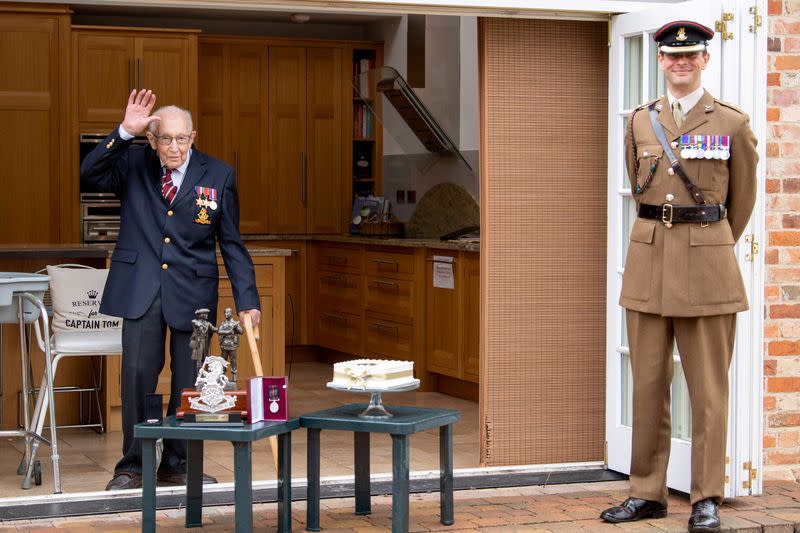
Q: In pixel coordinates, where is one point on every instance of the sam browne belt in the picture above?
(671, 214)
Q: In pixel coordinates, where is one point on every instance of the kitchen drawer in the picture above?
(389, 338)
(390, 264)
(341, 288)
(339, 331)
(393, 296)
(339, 258)
(263, 274)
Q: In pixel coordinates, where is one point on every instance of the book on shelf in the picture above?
(360, 69)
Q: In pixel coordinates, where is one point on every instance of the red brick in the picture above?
(787, 62)
(774, 79)
(784, 238)
(791, 44)
(786, 132)
(784, 385)
(791, 185)
(769, 441)
(788, 439)
(775, 7)
(770, 367)
(783, 97)
(790, 149)
(772, 331)
(784, 311)
(782, 420)
(773, 186)
(791, 257)
(776, 274)
(770, 403)
(784, 26)
(773, 150)
(774, 45)
(782, 458)
(773, 114)
(791, 221)
(771, 258)
(784, 348)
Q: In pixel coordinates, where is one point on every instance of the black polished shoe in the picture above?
(705, 517)
(125, 480)
(179, 478)
(634, 509)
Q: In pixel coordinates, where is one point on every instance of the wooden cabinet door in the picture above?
(248, 131)
(287, 140)
(441, 314)
(471, 320)
(324, 140)
(106, 75)
(213, 118)
(162, 65)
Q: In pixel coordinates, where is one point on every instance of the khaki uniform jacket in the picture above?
(689, 270)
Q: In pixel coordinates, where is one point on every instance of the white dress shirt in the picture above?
(688, 101)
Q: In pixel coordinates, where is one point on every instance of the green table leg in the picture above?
(361, 462)
(243, 486)
(312, 493)
(194, 484)
(400, 467)
(446, 474)
(285, 482)
(148, 485)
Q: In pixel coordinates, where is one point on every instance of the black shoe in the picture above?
(634, 509)
(705, 517)
(179, 478)
(125, 480)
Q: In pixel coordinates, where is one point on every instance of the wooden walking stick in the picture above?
(252, 336)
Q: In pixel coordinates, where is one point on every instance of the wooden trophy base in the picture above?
(236, 415)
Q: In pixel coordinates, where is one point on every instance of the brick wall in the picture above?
(782, 246)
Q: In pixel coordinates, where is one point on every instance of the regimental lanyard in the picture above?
(705, 147)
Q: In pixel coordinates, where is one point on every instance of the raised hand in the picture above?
(137, 114)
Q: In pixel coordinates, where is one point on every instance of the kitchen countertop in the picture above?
(45, 251)
(377, 241)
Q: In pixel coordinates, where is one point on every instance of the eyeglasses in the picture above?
(166, 140)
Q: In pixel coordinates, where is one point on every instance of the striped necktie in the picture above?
(168, 189)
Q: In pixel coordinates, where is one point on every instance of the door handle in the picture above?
(304, 183)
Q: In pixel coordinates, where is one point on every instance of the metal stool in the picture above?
(21, 302)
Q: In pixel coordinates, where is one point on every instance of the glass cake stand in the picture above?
(375, 409)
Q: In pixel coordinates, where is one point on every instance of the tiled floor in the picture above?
(88, 459)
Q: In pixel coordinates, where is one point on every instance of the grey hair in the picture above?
(166, 110)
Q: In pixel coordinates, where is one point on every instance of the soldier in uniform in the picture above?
(681, 281)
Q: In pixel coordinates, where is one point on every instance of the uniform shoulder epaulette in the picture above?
(647, 104)
(729, 106)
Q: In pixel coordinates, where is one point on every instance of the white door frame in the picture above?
(733, 68)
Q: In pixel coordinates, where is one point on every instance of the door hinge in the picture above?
(751, 249)
(721, 26)
(757, 19)
(750, 474)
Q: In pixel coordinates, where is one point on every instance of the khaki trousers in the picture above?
(706, 347)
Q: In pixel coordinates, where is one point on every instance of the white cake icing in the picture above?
(361, 374)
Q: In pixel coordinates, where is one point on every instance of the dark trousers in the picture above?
(142, 361)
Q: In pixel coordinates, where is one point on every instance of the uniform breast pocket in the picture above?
(639, 264)
(647, 159)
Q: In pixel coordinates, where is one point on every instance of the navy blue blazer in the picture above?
(171, 248)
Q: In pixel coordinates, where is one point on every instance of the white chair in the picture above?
(77, 328)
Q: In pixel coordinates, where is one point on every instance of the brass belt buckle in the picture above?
(666, 219)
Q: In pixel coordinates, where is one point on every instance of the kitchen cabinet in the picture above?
(33, 84)
(110, 63)
(305, 142)
(233, 122)
(452, 333)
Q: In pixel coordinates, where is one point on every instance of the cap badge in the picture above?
(681, 35)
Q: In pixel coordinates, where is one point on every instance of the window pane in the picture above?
(633, 72)
(657, 83)
(681, 406)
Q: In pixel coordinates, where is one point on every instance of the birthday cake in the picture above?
(381, 374)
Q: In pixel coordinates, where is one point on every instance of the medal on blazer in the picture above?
(206, 198)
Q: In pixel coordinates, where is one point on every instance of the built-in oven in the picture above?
(100, 211)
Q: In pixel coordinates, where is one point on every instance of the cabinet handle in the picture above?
(342, 280)
(390, 266)
(387, 327)
(304, 182)
(379, 282)
(130, 76)
(336, 317)
(139, 73)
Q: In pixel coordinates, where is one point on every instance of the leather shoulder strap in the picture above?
(696, 193)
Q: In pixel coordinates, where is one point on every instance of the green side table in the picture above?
(242, 438)
(404, 421)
